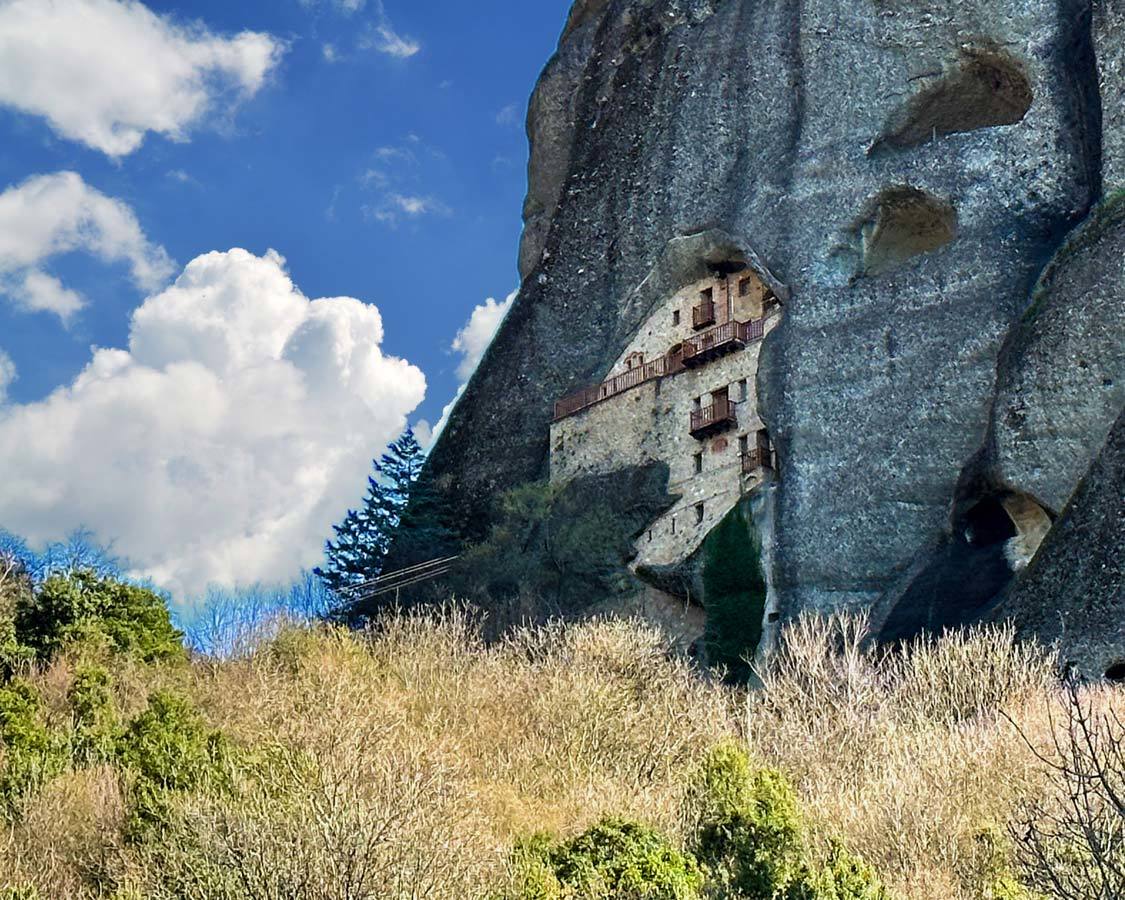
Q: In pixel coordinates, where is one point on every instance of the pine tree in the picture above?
(422, 531)
(364, 537)
(362, 540)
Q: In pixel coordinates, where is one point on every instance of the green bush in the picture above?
(19, 892)
(614, 860)
(30, 754)
(167, 748)
(846, 877)
(83, 606)
(15, 589)
(751, 839)
(750, 834)
(14, 656)
(96, 724)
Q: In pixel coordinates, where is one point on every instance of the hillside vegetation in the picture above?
(574, 761)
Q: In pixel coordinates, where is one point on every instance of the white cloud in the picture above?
(224, 442)
(331, 54)
(424, 432)
(40, 292)
(7, 375)
(472, 340)
(393, 207)
(50, 215)
(509, 115)
(106, 72)
(385, 39)
(345, 6)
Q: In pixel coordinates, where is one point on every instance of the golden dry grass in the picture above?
(404, 763)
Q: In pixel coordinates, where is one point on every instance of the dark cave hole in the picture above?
(988, 523)
(1116, 672)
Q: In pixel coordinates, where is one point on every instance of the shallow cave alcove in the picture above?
(900, 223)
(986, 89)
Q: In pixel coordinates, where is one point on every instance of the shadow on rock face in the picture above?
(986, 89)
(994, 538)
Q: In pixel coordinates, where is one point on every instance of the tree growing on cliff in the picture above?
(395, 510)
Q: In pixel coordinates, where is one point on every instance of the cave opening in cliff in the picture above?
(988, 523)
(901, 223)
(988, 88)
(1115, 672)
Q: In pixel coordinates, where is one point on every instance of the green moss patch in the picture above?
(734, 593)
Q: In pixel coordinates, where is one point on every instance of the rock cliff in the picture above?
(905, 170)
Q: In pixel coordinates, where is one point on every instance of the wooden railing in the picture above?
(709, 418)
(703, 315)
(729, 335)
(758, 458)
(618, 384)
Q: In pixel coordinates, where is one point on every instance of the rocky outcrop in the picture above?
(1060, 385)
(1109, 47)
(1062, 375)
(1073, 594)
(905, 169)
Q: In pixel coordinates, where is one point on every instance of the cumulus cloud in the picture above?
(106, 72)
(222, 444)
(50, 215)
(472, 340)
(470, 343)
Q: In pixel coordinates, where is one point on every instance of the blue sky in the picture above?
(377, 147)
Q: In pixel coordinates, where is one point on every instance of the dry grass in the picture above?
(404, 763)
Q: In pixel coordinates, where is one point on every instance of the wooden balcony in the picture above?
(703, 316)
(717, 417)
(727, 338)
(757, 460)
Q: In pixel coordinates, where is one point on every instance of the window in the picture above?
(698, 463)
(744, 287)
(699, 514)
(744, 445)
(675, 317)
(696, 405)
(673, 524)
(743, 390)
(707, 295)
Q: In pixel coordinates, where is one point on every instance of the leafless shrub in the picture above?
(1070, 844)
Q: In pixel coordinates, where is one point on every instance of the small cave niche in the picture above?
(1010, 518)
(1115, 672)
(988, 523)
(900, 223)
(987, 88)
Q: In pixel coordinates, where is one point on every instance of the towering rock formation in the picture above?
(905, 170)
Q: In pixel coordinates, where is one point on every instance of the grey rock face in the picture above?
(1073, 594)
(1109, 45)
(798, 129)
(1062, 377)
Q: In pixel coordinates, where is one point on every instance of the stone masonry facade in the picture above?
(698, 416)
